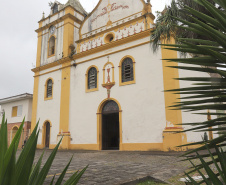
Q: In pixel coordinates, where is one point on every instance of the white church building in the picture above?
(98, 83)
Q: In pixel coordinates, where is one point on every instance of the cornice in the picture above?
(58, 21)
(95, 50)
(114, 44)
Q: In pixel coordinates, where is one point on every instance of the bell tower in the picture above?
(57, 34)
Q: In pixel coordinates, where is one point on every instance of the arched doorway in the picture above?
(14, 131)
(110, 126)
(47, 134)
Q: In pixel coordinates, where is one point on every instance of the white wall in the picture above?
(188, 117)
(143, 106)
(59, 34)
(49, 109)
(79, 16)
(53, 18)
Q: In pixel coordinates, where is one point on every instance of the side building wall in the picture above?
(15, 122)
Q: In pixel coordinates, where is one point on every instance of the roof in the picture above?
(16, 98)
(77, 5)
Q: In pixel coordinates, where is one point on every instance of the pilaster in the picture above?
(173, 117)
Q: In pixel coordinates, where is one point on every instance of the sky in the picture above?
(18, 40)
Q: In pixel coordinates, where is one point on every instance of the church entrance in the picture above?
(110, 126)
(47, 135)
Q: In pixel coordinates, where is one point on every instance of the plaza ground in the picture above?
(116, 167)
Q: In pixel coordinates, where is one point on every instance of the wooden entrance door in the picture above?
(110, 126)
(47, 138)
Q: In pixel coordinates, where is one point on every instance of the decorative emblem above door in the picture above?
(108, 77)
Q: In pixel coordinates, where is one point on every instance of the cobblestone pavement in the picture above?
(115, 167)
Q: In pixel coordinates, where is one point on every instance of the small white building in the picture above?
(98, 83)
(17, 108)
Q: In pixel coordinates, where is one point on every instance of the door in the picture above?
(47, 135)
(110, 126)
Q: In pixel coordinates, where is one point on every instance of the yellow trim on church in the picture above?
(36, 80)
(64, 105)
(120, 71)
(86, 78)
(68, 31)
(99, 49)
(45, 93)
(35, 101)
(99, 123)
(171, 141)
(44, 134)
(48, 49)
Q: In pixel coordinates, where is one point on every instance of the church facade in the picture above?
(98, 84)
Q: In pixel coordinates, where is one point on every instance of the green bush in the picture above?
(23, 171)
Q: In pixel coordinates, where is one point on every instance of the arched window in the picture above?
(92, 78)
(127, 70)
(110, 107)
(14, 131)
(55, 8)
(52, 46)
(49, 89)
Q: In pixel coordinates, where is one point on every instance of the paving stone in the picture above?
(115, 167)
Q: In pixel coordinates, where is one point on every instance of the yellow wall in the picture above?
(64, 105)
(172, 116)
(35, 101)
(171, 141)
(141, 146)
(65, 81)
(36, 80)
(68, 31)
(39, 47)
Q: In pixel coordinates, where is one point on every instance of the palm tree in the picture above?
(167, 26)
(207, 44)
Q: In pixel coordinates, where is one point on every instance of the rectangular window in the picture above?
(17, 111)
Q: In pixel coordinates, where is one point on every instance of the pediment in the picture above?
(111, 11)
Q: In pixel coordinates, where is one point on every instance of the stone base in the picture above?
(171, 139)
(66, 141)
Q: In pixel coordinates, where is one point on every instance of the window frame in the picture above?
(108, 36)
(51, 55)
(57, 6)
(121, 83)
(16, 113)
(87, 79)
(46, 88)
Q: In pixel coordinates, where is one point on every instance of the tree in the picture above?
(208, 49)
(166, 25)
